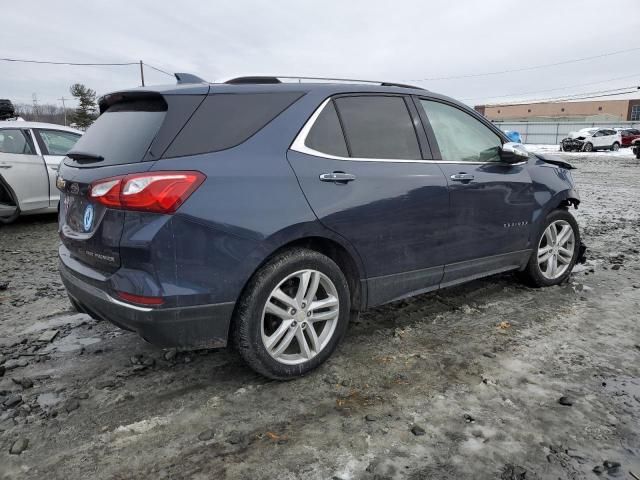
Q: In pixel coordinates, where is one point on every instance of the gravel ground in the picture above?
(488, 380)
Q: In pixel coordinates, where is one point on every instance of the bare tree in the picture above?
(44, 112)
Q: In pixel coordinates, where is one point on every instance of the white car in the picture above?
(590, 139)
(30, 154)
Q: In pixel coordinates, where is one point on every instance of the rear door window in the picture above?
(326, 134)
(57, 142)
(226, 120)
(378, 127)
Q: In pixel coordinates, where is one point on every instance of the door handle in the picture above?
(4, 165)
(339, 177)
(462, 177)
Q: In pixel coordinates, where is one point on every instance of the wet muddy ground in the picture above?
(459, 384)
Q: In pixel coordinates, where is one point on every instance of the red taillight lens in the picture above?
(161, 192)
(140, 300)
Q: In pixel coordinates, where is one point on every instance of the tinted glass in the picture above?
(122, 134)
(14, 141)
(378, 127)
(57, 142)
(461, 137)
(226, 120)
(326, 134)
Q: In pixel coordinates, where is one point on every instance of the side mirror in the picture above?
(513, 153)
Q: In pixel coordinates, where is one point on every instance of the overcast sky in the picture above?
(400, 41)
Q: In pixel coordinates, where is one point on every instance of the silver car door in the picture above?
(54, 145)
(23, 169)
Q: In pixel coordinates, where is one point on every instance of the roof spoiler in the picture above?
(183, 78)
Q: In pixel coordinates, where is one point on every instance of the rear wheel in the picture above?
(615, 147)
(292, 315)
(556, 251)
(588, 147)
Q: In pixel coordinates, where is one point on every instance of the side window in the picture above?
(378, 127)
(58, 142)
(225, 120)
(14, 141)
(326, 134)
(461, 137)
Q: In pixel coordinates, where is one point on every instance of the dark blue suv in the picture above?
(267, 213)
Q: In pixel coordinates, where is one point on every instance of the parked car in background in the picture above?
(30, 154)
(628, 135)
(7, 110)
(513, 135)
(319, 200)
(591, 139)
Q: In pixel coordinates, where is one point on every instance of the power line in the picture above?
(83, 64)
(524, 69)
(579, 96)
(157, 69)
(47, 62)
(552, 89)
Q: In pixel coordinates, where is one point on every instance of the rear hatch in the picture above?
(133, 130)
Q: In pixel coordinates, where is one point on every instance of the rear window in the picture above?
(123, 133)
(225, 120)
(378, 127)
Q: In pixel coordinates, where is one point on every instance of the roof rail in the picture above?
(188, 78)
(277, 79)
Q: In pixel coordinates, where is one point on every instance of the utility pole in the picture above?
(34, 97)
(141, 73)
(64, 109)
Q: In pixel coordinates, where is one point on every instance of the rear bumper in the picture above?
(201, 326)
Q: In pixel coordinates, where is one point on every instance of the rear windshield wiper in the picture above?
(84, 157)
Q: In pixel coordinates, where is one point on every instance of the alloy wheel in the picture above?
(556, 249)
(300, 317)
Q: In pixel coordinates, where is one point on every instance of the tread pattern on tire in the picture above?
(244, 335)
(531, 274)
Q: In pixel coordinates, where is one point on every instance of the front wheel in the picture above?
(556, 251)
(292, 315)
(588, 147)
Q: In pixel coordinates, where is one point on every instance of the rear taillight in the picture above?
(161, 192)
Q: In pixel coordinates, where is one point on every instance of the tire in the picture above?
(615, 147)
(588, 147)
(11, 219)
(254, 326)
(534, 274)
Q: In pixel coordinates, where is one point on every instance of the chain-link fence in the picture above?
(548, 133)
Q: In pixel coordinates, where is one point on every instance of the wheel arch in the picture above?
(340, 252)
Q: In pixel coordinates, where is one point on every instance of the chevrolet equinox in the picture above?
(266, 213)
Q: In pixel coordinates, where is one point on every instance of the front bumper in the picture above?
(571, 144)
(202, 326)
